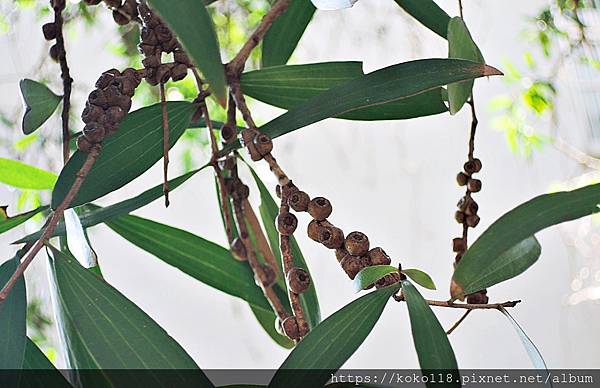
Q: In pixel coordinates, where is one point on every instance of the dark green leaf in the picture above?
(289, 86)
(431, 342)
(325, 349)
(13, 312)
(201, 259)
(461, 46)
(132, 150)
(98, 215)
(268, 212)
(105, 330)
(194, 28)
(420, 277)
(428, 13)
(40, 103)
(7, 223)
(512, 262)
(383, 86)
(45, 375)
(24, 176)
(532, 351)
(370, 275)
(283, 36)
(267, 321)
(522, 222)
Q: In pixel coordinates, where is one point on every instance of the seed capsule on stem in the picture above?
(462, 178)
(379, 257)
(290, 328)
(332, 237)
(286, 224)
(474, 185)
(298, 280)
(299, 201)
(319, 208)
(357, 243)
(352, 265)
(238, 249)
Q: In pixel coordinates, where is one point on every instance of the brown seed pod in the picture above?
(238, 249)
(148, 36)
(84, 144)
(170, 45)
(472, 166)
(163, 34)
(92, 2)
(287, 224)
(332, 237)
(477, 165)
(340, 254)
(458, 245)
(132, 75)
(240, 191)
(269, 275)
(104, 80)
(94, 132)
(316, 228)
(474, 185)
(228, 133)
(49, 31)
(352, 265)
(54, 53)
(462, 178)
(181, 57)
(112, 93)
(472, 208)
(115, 114)
(388, 279)
(148, 49)
(228, 163)
(129, 7)
(91, 113)
(473, 220)
(163, 73)
(290, 328)
(298, 280)
(357, 244)
(98, 98)
(459, 216)
(263, 144)
(379, 257)
(319, 208)
(120, 18)
(478, 297)
(299, 201)
(179, 72)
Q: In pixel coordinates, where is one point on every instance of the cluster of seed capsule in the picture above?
(352, 251)
(50, 31)
(467, 215)
(156, 38)
(123, 12)
(107, 105)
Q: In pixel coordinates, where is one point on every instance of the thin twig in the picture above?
(67, 81)
(462, 318)
(166, 135)
(53, 221)
(472, 306)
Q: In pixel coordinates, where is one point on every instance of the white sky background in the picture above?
(391, 180)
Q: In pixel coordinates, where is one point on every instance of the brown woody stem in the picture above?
(165, 124)
(462, 318)
(52, 221)
(67, 81)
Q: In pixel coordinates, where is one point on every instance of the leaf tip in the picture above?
(490, 70)
(456, 291)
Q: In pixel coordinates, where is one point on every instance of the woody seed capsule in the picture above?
(316, 228)
(332, 237)
(181, 57)
(104, 80)
(340, 254)
(388, 279)
(462, 178)
(472, 208)
(478, 297)
(459, 216)
(357, 244)
(49, 31)
(290, 328)
(474, 185)
(179, 72)
(379, 257)
(115, 114)
(458, 245)
(263, 144)
(269, 275)
(319, 208)
(97, 98)
(352, 265)
(299, 201)
(286, 224)
(473, 220)
(477, 165)
(54, 53)
(228, 133)
(238, 249)
(91, 113)
(119, 18)
(298, 280)
(94, 132)
(83, 144)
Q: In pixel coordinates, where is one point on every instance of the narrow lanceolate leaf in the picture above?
(370, 275)
(522, 222)
(428, 13)
(25, 176)
(12, 319)
(461, 46)
(285, 33)
(289, 86)
(7, 223)
(192, 25)
(512, 262)
(95, 215)
(532, 351)
(431, 342)
(133, 149)
(380, 87)
(45, 375)
(105, 330)
(201, 259)
(39, 103)
(268, 212)
(420, 277)
(325, 349)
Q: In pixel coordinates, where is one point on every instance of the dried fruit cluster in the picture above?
(157, 38)
(123, 12)
(51, 30)
(107, 105)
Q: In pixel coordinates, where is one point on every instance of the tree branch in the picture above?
(166, 135)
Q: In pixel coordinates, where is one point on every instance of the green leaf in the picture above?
(420, 277)
(285, 33)
(24, 176)
(77, 240)
(45, 375)
(105, 330)
(431, 342)
(289, 86)
(370, 275)
(461, 46)
(512, 262)
(428, 13)
(7, 223)
(40, 103)
(267, 322)
(201, 259)
(99, 215)
(532, 351)
(521, 223)
(13, 313)
(268, 212)
(133, 149)
(194, 28)
(325, 349)
(386, 85)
